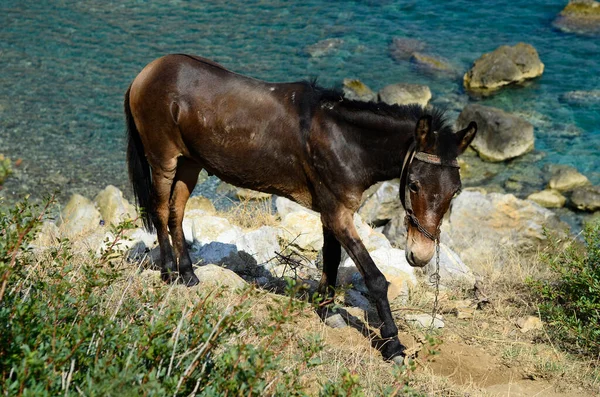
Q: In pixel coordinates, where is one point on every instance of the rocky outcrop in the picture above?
(482, 228)
(382, 204)
(500, 135)
(79, 216)
(405, 94)
(356, 90)
(565, 178)
(505, 65)
(548, 198)
(580, 16)
(586, 198)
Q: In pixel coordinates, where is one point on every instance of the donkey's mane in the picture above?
(387, 117)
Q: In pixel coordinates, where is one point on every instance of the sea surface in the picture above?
(65, 66)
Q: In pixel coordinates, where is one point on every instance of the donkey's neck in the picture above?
(381, 143)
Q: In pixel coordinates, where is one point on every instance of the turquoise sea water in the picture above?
(65, 66)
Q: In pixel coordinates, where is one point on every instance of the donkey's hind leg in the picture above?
(185, 180)
(332, 253)
(162, 183)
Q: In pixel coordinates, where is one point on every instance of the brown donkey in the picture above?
(295, 140)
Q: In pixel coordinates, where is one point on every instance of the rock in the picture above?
(424, 320)
(395, 230)
(249, 194)
(285, 206)
(324, 47)
(586, 198)
(391, 261)
(199, 203)
(207, 228)
(565, 178)
(483, 228)
(580, 16)
(581, 97)
(47, 236)
(355, 299)
(356, 90)
(452, 269)
(430, 63)
(500, 135)
(505, 65)
(405, 94)
(215, 275)
(398, 288)
(261, 244)
(529, 323)
(382, 205)
(79, 216)
(303, 230)
(402, 48)
(548, 198)
(113, 207)
(372, 239)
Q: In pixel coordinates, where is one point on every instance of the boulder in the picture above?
(586, 198)
(303, 230)
(405, 94)
(580, 16)
(483, 228)
(392, 263)
(424, 320)
(199, 203)
(548, 198)
(249, 194)
(215, 275)
(356, 90)
(505, 65)
(383, 204)
(500, 135)
(79, 216)
(565, 178)
(208, 228)
(114, 208)
(453, 270)
(262, 244)
(285, 206)
(402, 48)
(324, 47)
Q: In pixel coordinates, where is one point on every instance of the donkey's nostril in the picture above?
(411, 258)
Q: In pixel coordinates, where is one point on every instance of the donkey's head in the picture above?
(430, 179)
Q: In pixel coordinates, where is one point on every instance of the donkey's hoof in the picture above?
(189, 279)
(393, 351)
(168, 277)
(398, 360)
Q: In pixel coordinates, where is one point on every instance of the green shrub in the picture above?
(5, 168)
(570, 301)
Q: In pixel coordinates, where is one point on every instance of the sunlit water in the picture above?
(65, 66)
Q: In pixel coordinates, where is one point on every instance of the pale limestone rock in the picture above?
(356, 90)
(405, 94)
(548, 198)
(79, 216)
(424, 320)
(114, 208)
(303, 230)
(565, 178)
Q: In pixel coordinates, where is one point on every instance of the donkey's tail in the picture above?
(139, 169)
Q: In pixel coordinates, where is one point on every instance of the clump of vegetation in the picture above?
(570, 301)
(5, 168)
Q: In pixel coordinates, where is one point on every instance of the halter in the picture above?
(412, 154)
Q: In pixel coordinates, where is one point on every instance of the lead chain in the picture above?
(435, 279)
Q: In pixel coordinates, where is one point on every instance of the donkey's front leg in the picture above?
(342, 225)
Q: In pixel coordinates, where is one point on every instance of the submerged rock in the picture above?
(586, 198)
(500, 135)
(581, 97)
(580, 16)
(430, 63)
(405, 94)
(402, 48)
(565, 178)
(324, 47)
(505, 65)
(356, 90)
(548, 198)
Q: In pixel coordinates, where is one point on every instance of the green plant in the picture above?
(570, 301)
(5, 168)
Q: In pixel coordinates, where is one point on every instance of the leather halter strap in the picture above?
(412, 154)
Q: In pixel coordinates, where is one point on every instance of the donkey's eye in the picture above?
(414, 187)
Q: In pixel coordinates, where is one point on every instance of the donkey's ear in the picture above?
(422, 131)
(465, 137)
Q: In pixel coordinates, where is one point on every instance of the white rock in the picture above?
(261, 244)
(303, 230)
(285, 206)
(452, 269)
(79, 216)
(216, 275)
(424, 320)
(207, 229)
(113, 207)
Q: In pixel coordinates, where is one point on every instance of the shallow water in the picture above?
(67, 64)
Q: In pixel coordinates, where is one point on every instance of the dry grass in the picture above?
(250, 214)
